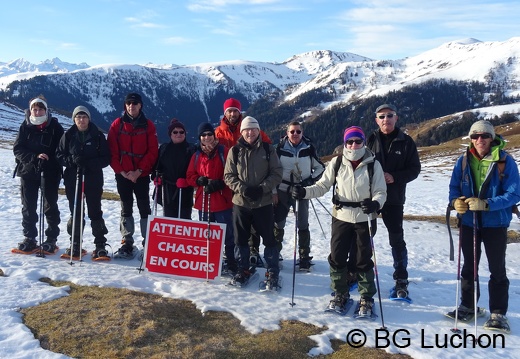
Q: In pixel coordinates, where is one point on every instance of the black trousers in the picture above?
(495, 245)
(127, 189)
(29, 190)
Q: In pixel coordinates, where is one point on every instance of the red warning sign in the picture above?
(184, 248)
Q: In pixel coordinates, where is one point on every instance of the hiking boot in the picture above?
(28, 245)
(401, 288)
(305, 264)
(242, 276)
(75, 252)
(100, 251)
(497, 322)
(271, 281)
(49, 246)
(365, 306)
(339, 301)
(127, 250)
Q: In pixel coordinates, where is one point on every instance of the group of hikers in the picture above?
(235, 175)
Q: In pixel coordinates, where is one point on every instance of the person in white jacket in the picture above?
(360, 191)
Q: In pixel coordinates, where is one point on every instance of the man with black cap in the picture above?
(397, 153)
(134, 149)
(84, 148)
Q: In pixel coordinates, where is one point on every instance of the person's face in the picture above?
(386, 119)
(354, 143)
(38, 111)
(178, 135)
(133, 108)
(295, 133)
(250, 135)
(233, 115)
(81, 120)
(207, 138)
(482, 143)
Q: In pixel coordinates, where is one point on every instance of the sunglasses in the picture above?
(357, 142)
(389, 115)
(178, 132)
(484, 136)
(293, 131)
(206, 134)
(135, 103)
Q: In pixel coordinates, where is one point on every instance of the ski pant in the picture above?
(261, 219)
(495, 245)
(281, 211)
(344, 236)
(29, 195)
(393, 219)
(126, 190)
(225, 216)
(93, 187)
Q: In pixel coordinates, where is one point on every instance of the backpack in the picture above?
(335, 200)
(235, 150)
(220, 150)
(501, 165)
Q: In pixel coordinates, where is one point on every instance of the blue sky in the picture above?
(197, 31)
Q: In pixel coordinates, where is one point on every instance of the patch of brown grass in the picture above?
(95, 322)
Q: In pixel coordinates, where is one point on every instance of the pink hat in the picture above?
(353, 131)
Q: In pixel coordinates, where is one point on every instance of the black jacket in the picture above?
(91, 145)
(401, 161)
(33, 140)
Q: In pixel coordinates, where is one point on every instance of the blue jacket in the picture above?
(501, 194)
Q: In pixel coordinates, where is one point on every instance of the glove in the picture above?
(214, 186)
(307, 182)
(202, 181)
(298, 192)
(368, 206)
(459, 205)
(254, 193)
(79, 161)
(477, 204)
(182, 183)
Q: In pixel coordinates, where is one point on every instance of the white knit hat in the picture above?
(482, 126)
(249, 122)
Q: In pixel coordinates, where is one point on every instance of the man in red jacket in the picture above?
(134, 149)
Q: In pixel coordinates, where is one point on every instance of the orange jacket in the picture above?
(228, 135)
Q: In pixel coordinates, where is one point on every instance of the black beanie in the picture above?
(174, 123)
(205, 127)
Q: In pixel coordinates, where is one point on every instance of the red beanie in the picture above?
(232, 103)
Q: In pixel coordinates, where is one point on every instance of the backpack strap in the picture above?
(339, 204)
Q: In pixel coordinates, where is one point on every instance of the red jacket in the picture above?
(133, 147)
(228, 135)
(213, 168)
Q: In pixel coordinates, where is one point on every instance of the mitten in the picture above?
(214, 186)
(298, 192)
(202, 181)
(181, 183)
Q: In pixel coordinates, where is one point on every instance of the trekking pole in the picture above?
(370, 231)
(456, 329)
(156, 184)
(296, 209)
(41, 224)
(75, 210)
(180, 197)
(448, 211)
(207, 239)
(475, 268)
(318, 218)
(326, 209)
(82, 214)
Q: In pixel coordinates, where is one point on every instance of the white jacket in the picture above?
(351, 186)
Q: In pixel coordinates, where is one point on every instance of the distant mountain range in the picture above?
(330, 90)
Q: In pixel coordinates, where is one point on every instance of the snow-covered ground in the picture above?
(418, 329)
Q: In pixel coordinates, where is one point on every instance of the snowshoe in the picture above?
(365, 309)
(305, 264)
(50, 247)
(400, 291)
(466, 314)
(498, 322)
(75, 254)
(28, 246)
(340, 304)
(100, 253)
(272, 283)
(127, 251)
(243, 278)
